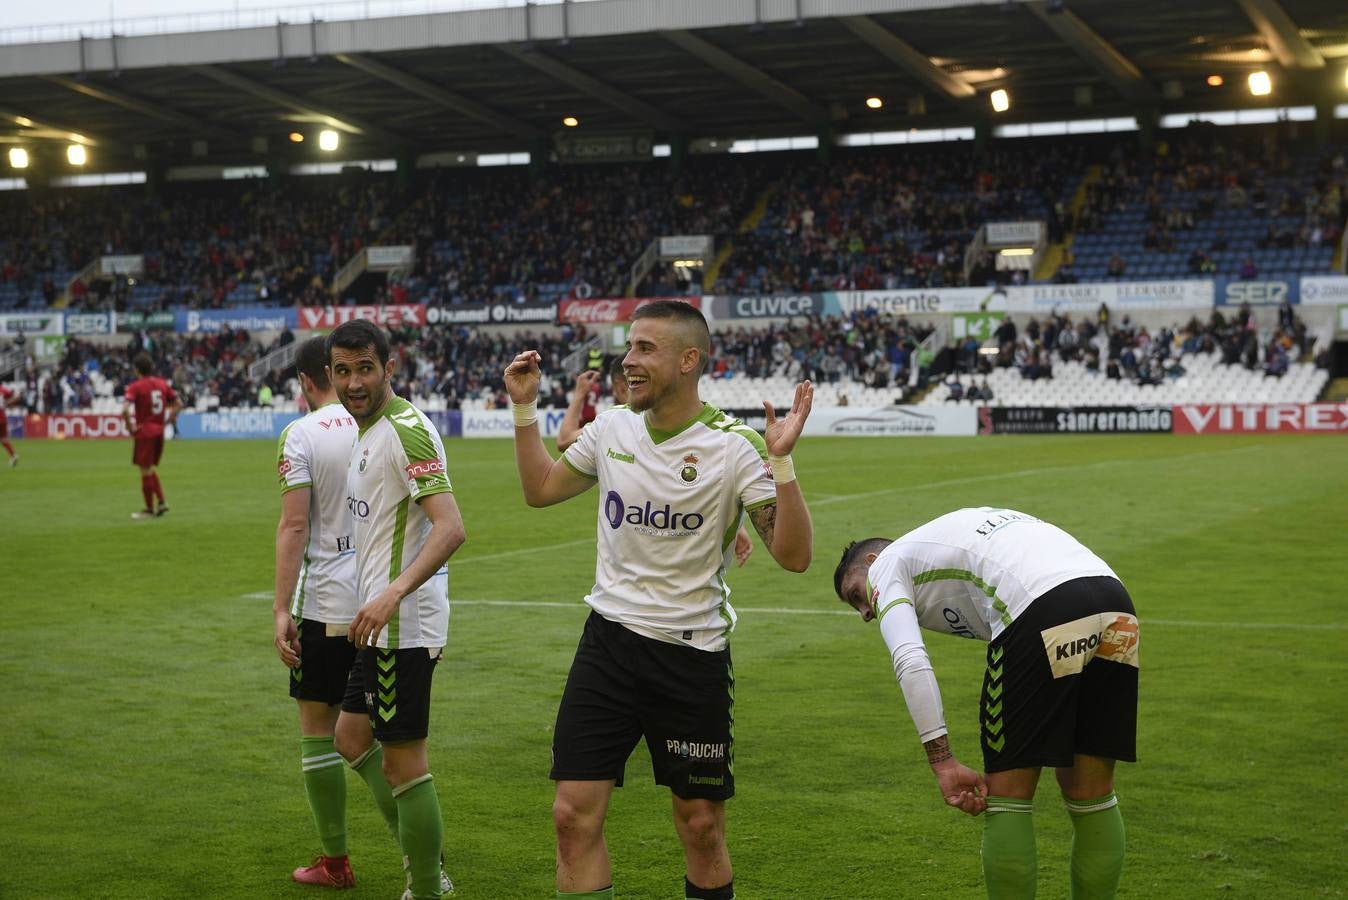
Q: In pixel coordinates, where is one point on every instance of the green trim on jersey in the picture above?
(759, 504)
(417, 444)
(964, 575)
(378, 414)
(659, 435)
(287, 488)
(297, 599)
(572, 466)
(395, 566)
(729, 537)
(880, 613)
(724, 422)
(281, 455)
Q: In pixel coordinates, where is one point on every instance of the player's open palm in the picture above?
(522, 377)
(781, 434)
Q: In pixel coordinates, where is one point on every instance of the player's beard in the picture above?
(650, 395)
(376, 392)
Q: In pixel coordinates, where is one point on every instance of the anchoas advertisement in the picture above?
(1075, 420)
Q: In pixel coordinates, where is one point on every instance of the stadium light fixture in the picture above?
(874, 103)
(1216, 81)
(1001, 100)
(76, 155)
(570, 121)
(1018, 251)
(18, 158)
(1261, 85)
(296, 137)
(328, 140)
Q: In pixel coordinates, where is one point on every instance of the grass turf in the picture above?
(150, 751)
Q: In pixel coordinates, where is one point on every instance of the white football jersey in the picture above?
(395, 462)
(669, 506)
(973, 571)
(313, 452)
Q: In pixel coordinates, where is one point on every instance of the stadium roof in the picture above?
(503, 79)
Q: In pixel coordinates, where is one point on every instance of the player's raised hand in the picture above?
(781, 434)
(522, 377)
(287, 643)
(584, 381)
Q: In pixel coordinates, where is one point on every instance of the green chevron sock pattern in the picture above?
(421, 833)
(1010, 859)
(1098, 841)
(370, 768)
(386, 691)
(994, 738)
(325, 786)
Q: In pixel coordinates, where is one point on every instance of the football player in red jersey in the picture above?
(8, 398)
(155, 404)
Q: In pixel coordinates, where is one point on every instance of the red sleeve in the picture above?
(169, 392)
(131, 391)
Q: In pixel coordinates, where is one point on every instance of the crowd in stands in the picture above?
(876, 220)
(1120, 349)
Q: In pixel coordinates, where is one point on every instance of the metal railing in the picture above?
(279, 359)
(249, 17)
(11, 361)
(579, 358)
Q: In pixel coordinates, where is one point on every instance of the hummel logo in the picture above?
(620, 456)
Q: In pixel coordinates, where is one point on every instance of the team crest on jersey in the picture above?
(364, 459)
(688, 468)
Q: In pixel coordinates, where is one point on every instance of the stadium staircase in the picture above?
(1335, 391)
(1054, 256)
(746, 226)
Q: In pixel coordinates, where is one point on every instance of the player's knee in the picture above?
(700, 828)
(350, 743)
(573, 821)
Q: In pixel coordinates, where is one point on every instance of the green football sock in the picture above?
(603, 894)
(1097, 847)
(421, 832)
(1010, 860)
(370, 768)
(325, 785)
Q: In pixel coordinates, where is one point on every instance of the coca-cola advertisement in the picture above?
(608, 310)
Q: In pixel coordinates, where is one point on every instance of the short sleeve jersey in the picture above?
(313, 452)
(973, 571)
(151, 397)
(396, 461)
(669, 506)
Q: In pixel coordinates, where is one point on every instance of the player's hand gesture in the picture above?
(287, 643)
(522, 377)
(372, 618)
(961, 786)
(781, 434)
(743, 547)
(584, 381)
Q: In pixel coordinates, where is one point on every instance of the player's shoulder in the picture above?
(407, 424)
(721, 422)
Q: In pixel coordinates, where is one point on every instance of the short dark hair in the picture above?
(684, 314)
(853, 555)
(359, 334)
(616, 370)
(143, 363)
(312, 360)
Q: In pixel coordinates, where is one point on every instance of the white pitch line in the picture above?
(1021, 473)
(579, 604)
(538, 548)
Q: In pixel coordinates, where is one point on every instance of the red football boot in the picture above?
(327, 871)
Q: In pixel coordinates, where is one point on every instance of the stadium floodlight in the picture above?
(874, 102)
(1001, 100)
(1261, 85)
(18, 158)
(76, 154)
(570, 121)
(296, 137)
(1216, 81)
(328, 140)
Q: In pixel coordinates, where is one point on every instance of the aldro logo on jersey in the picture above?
(649, 517)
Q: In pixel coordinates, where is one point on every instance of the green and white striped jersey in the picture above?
(396, 461)
(313, 452)
(973, 571)
(669, 506)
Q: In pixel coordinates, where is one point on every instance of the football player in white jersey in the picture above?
(314, 604)
(405, 525)
(1060, 687)
(675, 477)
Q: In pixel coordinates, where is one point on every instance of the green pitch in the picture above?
(149, 749)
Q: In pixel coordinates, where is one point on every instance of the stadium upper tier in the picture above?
(783, 222)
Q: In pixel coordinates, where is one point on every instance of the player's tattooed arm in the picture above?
(938, 749)
(765, 522)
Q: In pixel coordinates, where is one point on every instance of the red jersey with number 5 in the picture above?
(152, 397)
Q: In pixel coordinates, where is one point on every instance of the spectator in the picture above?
(1117, 267)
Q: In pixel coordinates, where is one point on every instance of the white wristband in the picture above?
(525, 414)
(783, 469)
